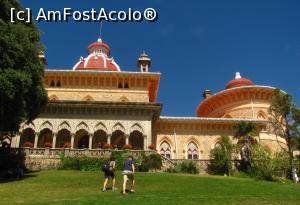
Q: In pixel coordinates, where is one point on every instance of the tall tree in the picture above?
(285, 120)
(22, 95)
(245, 135)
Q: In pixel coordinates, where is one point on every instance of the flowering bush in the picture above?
(48, 145)
(107, 146)
(67, 145)
(127, 146)
(28, 144)
(152, 147)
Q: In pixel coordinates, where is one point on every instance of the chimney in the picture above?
(144, 62)
(206, 93)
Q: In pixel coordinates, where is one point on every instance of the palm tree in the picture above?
(245, 135)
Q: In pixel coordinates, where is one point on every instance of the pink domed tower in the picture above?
(98, 58)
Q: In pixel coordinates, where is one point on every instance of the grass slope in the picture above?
(76, 187)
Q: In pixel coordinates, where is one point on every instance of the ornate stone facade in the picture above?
(98, 106)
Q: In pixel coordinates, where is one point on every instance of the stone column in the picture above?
(109, 139)
(72, 140)
(36, 139)
(145, 142)
(126, 139)
(54, 140)
(90, 141)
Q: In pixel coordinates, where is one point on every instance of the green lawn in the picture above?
(78, 187)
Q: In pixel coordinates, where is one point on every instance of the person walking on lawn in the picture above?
(128, 174)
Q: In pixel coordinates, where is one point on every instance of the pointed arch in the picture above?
(64, 125)
(28, 125)
(82, 126)
(192, 150)
(168, 140)
(100, 126)
(136, 127)
(118, 126)
(165, 149)
(194, 140)
(46, 125)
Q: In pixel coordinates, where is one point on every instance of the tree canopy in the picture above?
(22, 94)
(285, 120)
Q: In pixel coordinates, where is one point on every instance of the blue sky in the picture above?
(196, 45)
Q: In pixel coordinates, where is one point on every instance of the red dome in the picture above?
(97, 59)
(98, 44)
(238, 81)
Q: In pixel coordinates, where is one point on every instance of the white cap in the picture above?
(237, 75)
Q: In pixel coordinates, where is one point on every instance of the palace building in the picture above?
(96, 105)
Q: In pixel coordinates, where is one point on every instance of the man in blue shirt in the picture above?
(128, 174)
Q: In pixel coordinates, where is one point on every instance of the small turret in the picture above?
(144, 62)
(206, 94)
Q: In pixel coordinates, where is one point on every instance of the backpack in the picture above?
(106, 166)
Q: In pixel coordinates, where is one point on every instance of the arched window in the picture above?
(192, 152)
(126, 85)
(120, 85)
(52, 84)
(58, 84)
(165, 150)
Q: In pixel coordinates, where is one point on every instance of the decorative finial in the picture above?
(99, 40)
(237, 75)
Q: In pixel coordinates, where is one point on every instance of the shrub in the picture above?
(186, 166)
(127, 146)
(82, 163)
(153, 161)
(266, 165)
(221, 157)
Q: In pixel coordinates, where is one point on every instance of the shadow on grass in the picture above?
(27, 174)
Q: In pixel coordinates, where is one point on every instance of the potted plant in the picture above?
(127, 146)
(152, 147)
(107, 146)
(48, 145)
(28, 144)
(67, 145)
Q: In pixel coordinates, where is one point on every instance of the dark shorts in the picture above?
(109, 174)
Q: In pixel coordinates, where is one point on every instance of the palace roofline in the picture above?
(171, 118)
(98, 71)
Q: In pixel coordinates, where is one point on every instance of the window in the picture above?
(192, 152)
(58, 84)
(52, 84)
(165, 150)
(126, 85)
(120, 85)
